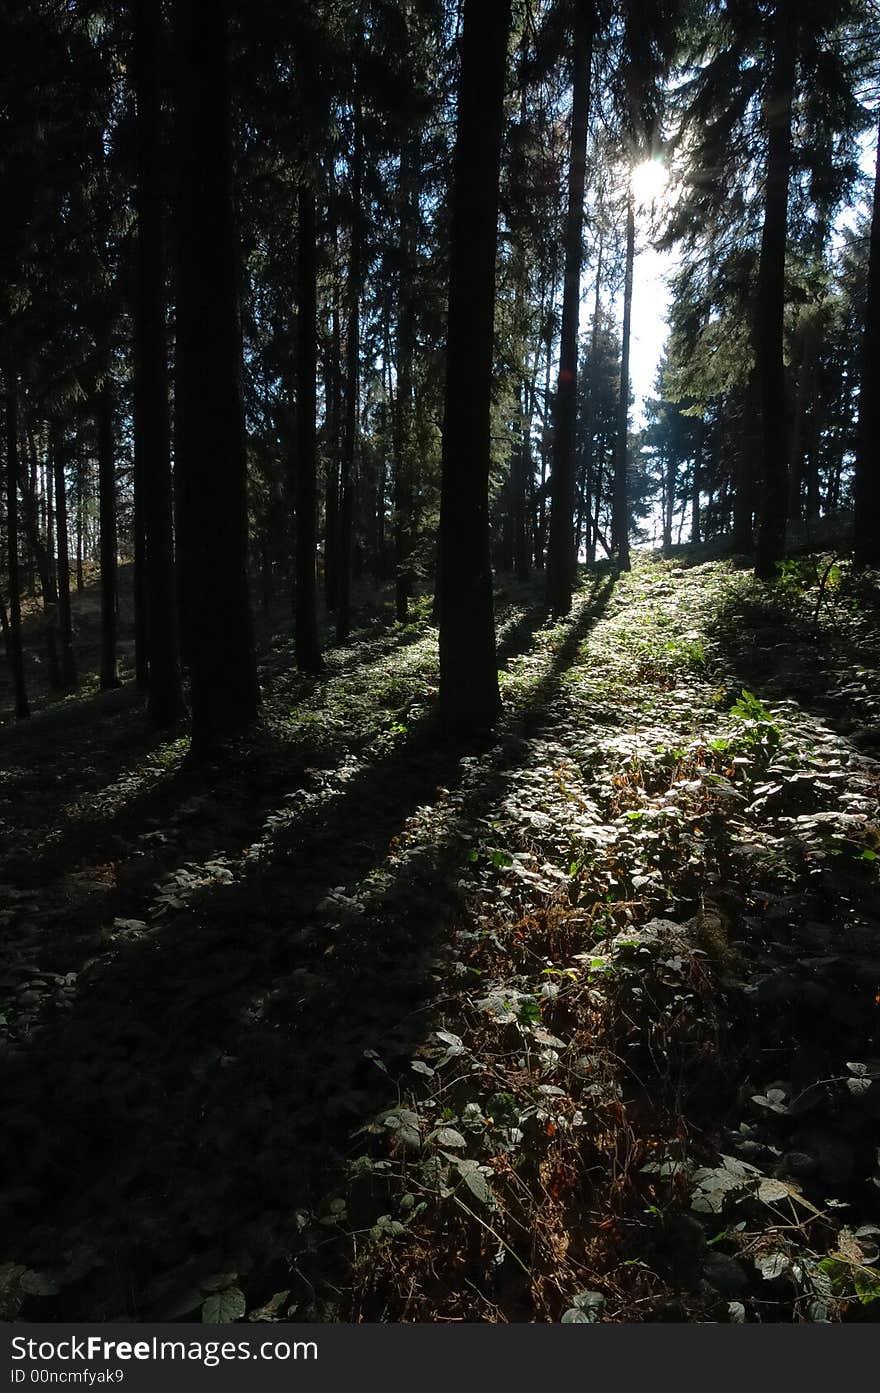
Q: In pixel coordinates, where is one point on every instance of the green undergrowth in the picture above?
(577, 1023)
(553, 1156)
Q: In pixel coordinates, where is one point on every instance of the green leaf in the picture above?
(387, 1227)
(867, 1285)
(772, 1265)
(224, 1307)
(474, 1179)
(404, 1123)
(38, 1284)
(591, 1303)
(769, 1191)
(269, 1311)
(448, 1136)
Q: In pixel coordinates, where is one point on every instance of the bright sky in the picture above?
(649, 310)
(649, 317)
(652, 269)
(650, 291)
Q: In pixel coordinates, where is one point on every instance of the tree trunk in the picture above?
(681, 521)
(597, 504)
(804, 390)
(333, 397)
(581, 505)
(28, 483)
(306, 646)
(590, 412)
(867, 478)
(139, 577)
(4, 627)
(834, 482)
(669, 499)
(697, 481)
(620, 510)
(80, 482)
(541, 510)
(561, 556)
(381, 558)
(469, 695)
(65, 624)
(743, 535)
(108, 677)
(525, 525)
(14, 646)
(520, 471)
(49, 495)
(812, 474)
(41, 558)
(139, 540)
(44, 497)
(331, 480)
(352, 387)
(210, 442)
(770, 303)
(403, 467)
(154, 538)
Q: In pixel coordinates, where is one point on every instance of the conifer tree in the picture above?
(469, 696)
(151, 407)
(867, 474)
(209, 441)
(561, 556)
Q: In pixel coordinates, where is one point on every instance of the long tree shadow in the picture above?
(103, 756)
(86, 741)
(203, 1085)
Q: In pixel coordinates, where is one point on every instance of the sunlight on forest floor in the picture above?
(373, 1026)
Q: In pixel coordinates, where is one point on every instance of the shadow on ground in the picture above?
(205, 1080)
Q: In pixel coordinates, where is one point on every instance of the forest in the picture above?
(440, 699)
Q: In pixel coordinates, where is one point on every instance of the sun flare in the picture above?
(649, 179)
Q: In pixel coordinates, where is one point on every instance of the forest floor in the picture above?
(578, 1023)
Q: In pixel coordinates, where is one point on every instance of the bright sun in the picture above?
(649, 179)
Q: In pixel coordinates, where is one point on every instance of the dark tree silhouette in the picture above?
(210, 442)
(561, 558)
(770, 301)
(65, 623)
(403, 463)
(469, 696)
(104, 427)
(306, 645)
(151, 414)
(351, 423)
(867, 480)
(333, 405)
(13, 635)
(697, 479)
(620, 510)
